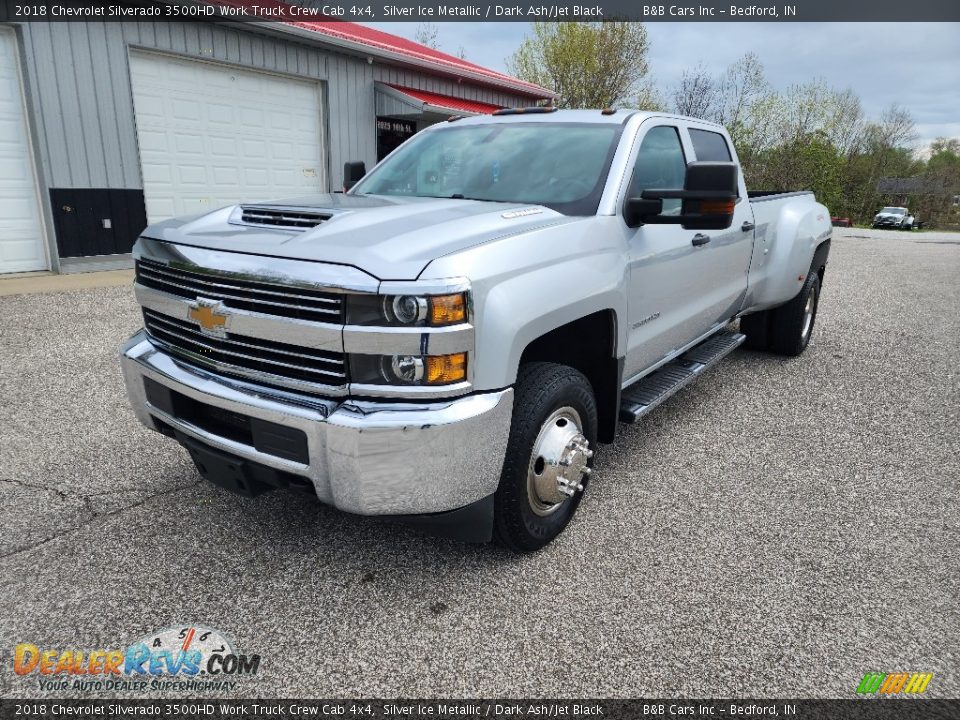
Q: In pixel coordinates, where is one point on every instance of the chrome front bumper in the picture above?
(369, 458)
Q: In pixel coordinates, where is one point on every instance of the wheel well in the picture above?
(589, 345)
(819, 264)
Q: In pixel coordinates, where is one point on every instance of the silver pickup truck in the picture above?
(448, 341)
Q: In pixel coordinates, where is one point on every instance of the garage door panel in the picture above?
(151, 107)
(185, 110)
(162, 207)
(283, 151)
(14, 172)
(193, 175)
(279, 121)
(21, 229)
(187, 143)
(159, 172)
(225, 177)
(208, 135)
(153, 141)
(255, 149)
(222, 114)
(252, 119)
(283, 177)
(257, 177)
(222, 147)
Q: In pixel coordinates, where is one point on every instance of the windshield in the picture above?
(560, 165)
(893, 211)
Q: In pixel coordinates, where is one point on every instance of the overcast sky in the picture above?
(914, 64)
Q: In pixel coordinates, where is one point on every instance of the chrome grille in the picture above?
(265, 361)
(286, 218)
(242, 294)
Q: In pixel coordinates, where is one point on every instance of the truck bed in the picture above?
(761, 195)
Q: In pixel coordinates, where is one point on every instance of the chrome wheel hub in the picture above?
(808, 311)
(558, 462)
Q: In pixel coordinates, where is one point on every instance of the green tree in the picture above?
(809, 162)
(941, 182)
(589, 64)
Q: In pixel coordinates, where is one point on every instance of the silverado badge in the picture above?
(209, 316)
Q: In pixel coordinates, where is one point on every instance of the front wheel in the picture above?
(549, 455)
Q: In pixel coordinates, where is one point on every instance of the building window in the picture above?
(391, 133)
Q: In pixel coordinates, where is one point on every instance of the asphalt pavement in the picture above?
(779, 528)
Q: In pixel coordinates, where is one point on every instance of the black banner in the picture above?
(865, 709)
(863, 11)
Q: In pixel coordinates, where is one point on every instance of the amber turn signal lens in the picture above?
(445, 369)
(446, 309)
(717, 207)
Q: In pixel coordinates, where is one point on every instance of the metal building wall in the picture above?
(83, 108)
(81, 104)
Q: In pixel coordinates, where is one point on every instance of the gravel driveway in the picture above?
(778, 529)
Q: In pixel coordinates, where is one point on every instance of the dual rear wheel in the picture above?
(785, 330)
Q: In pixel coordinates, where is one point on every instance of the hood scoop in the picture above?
(288, 218)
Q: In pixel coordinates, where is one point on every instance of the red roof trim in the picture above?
(379, 40)
(445, 101)
(386, 41)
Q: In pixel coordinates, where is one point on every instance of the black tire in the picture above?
(787, 322)
(541, 389)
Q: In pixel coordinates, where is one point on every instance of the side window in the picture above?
(660, 165)
(710, 146)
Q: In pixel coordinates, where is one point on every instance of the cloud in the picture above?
(912, 64)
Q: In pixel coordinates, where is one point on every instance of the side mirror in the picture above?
(352, 173)
(638, 211)
(709, 197)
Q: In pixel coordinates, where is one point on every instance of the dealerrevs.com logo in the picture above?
(188, 658)
(878, 683)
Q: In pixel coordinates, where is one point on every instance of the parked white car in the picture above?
(893, 218)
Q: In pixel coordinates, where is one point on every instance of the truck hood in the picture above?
(391, 238)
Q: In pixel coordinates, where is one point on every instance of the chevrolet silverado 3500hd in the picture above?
(448, 341)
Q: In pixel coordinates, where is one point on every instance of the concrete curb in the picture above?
(45, 282)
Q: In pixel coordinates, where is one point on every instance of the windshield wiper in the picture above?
(461, 196)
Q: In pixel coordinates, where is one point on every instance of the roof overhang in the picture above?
(421, 103)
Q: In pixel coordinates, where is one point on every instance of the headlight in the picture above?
(408, 369)
(410, 310)
(405, 309)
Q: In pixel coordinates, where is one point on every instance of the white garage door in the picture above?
(21, 231)
(211, 135)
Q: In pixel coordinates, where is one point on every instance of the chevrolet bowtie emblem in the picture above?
(206, 313)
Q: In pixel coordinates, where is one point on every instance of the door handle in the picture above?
(747, 226)
(700, 239)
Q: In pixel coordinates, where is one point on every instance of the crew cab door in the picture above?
(682, 282)
(722, 265)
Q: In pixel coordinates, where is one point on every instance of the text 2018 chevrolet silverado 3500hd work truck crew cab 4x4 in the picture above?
(450, 339)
